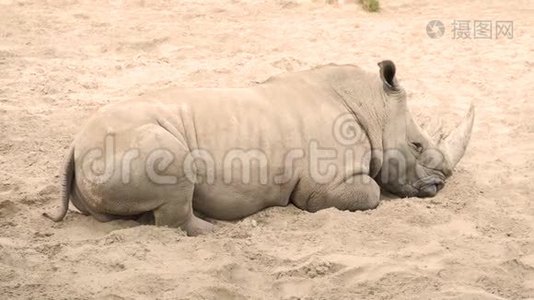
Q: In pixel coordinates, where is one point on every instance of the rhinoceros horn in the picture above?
(454, 144)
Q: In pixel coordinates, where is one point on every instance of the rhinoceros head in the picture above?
(413, 163)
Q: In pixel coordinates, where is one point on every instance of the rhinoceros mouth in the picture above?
(428, 186)
(428, 190)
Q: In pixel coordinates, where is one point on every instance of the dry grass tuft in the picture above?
(370, 5)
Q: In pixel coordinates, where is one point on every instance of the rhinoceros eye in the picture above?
(417, 147)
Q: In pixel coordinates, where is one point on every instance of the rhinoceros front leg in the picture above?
(359, 192)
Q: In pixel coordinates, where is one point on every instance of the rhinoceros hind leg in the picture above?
(195, 226)
(105, 217)
(171, 216)
(178, 212)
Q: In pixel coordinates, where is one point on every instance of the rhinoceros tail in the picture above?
(66, 185)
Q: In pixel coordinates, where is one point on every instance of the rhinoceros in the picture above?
(332, 136)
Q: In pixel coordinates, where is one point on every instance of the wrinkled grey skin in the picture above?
(290, 111)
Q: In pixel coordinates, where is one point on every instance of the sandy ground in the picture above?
(60, 61)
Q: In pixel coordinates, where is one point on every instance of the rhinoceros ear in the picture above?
(387, 74)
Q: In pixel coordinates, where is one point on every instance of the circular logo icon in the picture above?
(435, 29)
